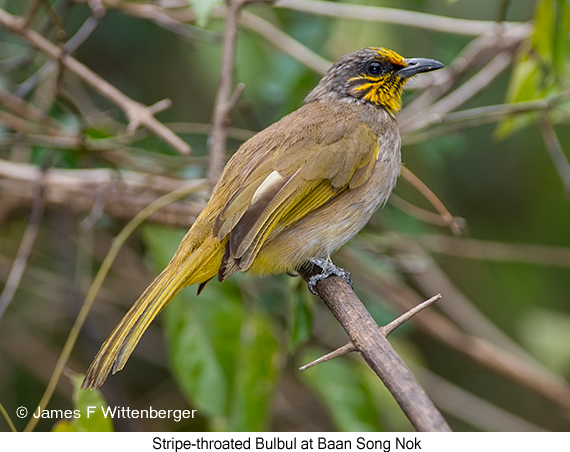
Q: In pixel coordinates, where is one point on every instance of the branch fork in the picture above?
(350, 347)
(370, 340)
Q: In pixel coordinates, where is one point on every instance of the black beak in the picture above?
(417, 65)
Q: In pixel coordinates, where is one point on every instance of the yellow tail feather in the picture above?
(200, 266)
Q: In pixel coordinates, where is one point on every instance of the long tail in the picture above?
(200, 266)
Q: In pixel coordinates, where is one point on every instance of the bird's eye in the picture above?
(374, 68)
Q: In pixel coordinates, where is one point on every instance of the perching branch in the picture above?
(388, 329)
(478, 350)
(370, 340)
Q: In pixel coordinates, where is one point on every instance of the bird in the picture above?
(293, 193)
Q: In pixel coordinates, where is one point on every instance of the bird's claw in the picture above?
(328, 269)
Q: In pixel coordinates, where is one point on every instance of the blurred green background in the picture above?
(232, 353)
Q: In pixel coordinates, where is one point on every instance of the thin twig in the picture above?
(222, 106)
(391, 15)
(32, 81)
(478, 350)
(7, 418)
(388, 329)
(285, 42)
(81, 35)
(341, 351)
(480, 80)
(202, 128)
(23, 126)
(116, 246)
(97, 8)
(473, 117)
(409, 314)
(496, 251)
(470, 408)
(422, 214)
(479, 51)
(31, 13)
(28, 240)
(449, 219)
(371, 342)
(136, 112)
(556, 152)
(53, 19)
(102, 196)
(185, 14)
(426, 274)
(26, 110)
(503, 11)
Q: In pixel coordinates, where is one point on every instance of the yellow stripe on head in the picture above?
(390, 56)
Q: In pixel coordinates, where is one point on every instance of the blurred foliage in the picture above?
(224, 355)
(232, 352)
(89, 409)
(543, 69)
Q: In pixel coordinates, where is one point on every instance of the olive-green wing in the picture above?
(287, 184)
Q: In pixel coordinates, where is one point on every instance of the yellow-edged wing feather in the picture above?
(117, 349)
(275, 179)
(304, 180)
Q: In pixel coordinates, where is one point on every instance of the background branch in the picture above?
(556, 152)
(136, 112)
(108, 169)
(223, 104)
(21, 260)
(78, 189)
(392, 16)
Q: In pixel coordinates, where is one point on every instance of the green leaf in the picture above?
(543, 69)
(89, 411)
(542, 39)
(257, 370)
(202, 338)
(65, 426)
(300, 318)
(91, 405)
(224, 358)
(204, 9)
(162, 243)
(546, 334)
(524, 86)
(344, 391)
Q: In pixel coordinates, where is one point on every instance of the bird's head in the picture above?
(372, 74)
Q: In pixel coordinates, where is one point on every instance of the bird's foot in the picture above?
(328, 269)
